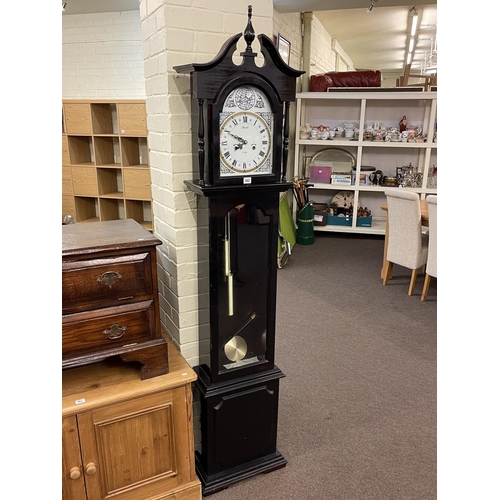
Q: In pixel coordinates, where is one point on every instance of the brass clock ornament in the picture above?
(240, 113)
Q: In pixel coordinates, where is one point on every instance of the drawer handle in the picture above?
(115, 332)
(109, 278)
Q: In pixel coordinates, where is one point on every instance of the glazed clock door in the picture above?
(247, 134)
(242, 320)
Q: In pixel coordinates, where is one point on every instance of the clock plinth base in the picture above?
(239, 421)
(217, 482)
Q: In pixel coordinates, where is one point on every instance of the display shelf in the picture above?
(141, 212)
(86, 209)
(81, 151)
(377, 227)
(105, 158)
(104, 118)
(110, 209)
(333, 109)
(134, 151)
(110, 182)
(107, 151)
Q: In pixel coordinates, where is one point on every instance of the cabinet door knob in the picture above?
(74, 473)
(91, 468)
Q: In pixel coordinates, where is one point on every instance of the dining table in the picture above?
(424, 212)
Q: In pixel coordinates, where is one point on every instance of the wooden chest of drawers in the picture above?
(110, 296)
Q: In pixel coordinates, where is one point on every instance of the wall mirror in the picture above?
(339, 159)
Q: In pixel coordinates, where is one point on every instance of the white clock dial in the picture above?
(245, 142)
(246, 133)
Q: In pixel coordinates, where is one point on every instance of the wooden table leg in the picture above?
(385, 262)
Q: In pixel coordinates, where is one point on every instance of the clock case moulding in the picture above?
(212, 82)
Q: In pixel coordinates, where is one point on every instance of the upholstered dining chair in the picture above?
(431, 267)
(407, 246)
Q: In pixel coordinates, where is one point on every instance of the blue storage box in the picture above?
(364, 221)
(336, 220)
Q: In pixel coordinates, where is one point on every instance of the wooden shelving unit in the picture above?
(364, 107)
(105, 161)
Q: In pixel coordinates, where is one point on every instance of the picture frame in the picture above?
(283, 46)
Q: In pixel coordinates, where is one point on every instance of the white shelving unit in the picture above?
(335, 108)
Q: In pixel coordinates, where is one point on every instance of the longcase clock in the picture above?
(241, 119)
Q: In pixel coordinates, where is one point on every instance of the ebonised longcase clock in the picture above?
(241, 118)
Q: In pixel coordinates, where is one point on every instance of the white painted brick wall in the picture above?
(132, 55)
(322, 57)
(175, 33)
(102, 56)
(290, 26)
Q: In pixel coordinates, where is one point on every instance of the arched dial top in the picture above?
(246, 133)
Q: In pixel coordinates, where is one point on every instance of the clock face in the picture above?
(344, 199)
(246, 126)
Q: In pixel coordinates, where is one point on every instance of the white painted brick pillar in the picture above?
(173, 33)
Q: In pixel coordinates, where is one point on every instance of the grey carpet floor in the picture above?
(357, 411)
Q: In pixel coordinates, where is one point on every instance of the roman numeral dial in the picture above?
(246, 126)
(245, 140)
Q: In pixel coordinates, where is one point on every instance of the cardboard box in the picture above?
(337, 220)
(322, 207)
(341, 179)
(364, 221)
(320, 174)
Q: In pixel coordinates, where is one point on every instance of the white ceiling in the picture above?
(374, 40)
(93, 6)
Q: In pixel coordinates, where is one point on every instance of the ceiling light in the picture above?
(414, 25)
(411, 45)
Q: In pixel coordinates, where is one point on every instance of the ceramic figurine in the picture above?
(402, 124)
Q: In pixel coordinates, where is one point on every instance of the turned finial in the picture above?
(249, 33)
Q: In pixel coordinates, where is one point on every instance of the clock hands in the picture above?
(240, 146)
(244, 141)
